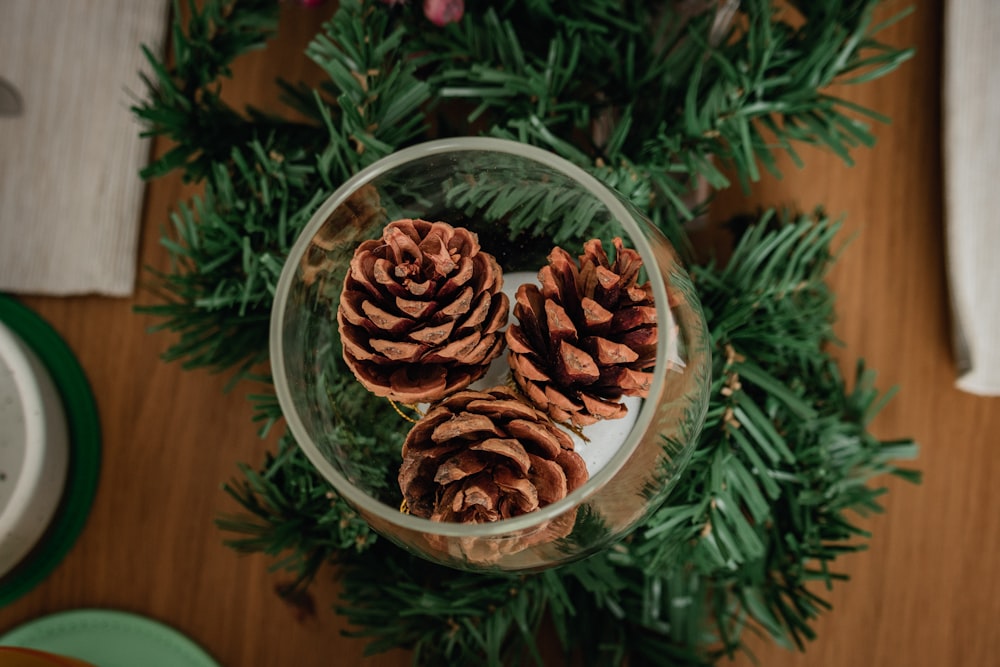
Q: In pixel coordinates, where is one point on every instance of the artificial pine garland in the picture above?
(649, 97)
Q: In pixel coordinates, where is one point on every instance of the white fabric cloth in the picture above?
(971, 108)
(70, 194)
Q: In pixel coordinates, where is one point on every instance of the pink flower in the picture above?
(443, 12)
(438, 12)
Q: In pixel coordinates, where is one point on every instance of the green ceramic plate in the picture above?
(83, 426)
(109, 639)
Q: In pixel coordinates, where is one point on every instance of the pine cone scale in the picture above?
(464, 424)
(417, 309)
(557, 398)
(465, 271)
(486, 349)
(460, 305)
(384, 273)
(608, 352)
(639, 294)
(507, 448)
(356, 350)
(432, 335)
(632, 318)
(499, 311)
(519, 491)
(549, 480)
(478, 496)
(517, 341)
(500, 407)
(522, 365)
(458, 467)
(547, 441)
(397, 350)
(477, 313)
(602, 409)
(596, 317)
(559, 323)
(560, 277)
(487, 271)
(377, 319)
(350, 308)
(456, 350)
(575, 366)
(414, 288)
(607, 288)
(436, 254)
(403, 245)
(529, 305)
(629, 380)
(574, 468)
(412, 385)
(642, 340)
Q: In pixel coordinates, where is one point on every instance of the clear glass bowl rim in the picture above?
(343, 486)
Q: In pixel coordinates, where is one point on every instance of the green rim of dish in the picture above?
(84, 428)
(105, 636)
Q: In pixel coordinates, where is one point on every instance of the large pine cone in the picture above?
(479, 457)
(587, 337)
(421, 311)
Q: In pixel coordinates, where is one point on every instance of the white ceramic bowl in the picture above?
(34, 450)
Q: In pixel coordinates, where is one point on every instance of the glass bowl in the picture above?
(519, 202)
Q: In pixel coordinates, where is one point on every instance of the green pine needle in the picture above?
(650, 99)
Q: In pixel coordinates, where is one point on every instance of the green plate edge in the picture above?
(84, 428)
(98, 627)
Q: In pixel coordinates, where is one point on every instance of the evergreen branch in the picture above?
(649, 99)
(784, 452)
(379, 98)
(678, 97)
(228, 246)
(227, 252)
(387, 73)
(184, 102)
(289, 510)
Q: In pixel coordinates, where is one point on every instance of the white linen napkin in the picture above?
(971, 142)
(70, 194)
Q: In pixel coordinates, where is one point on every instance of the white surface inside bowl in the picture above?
(600, 441)
(34, 449)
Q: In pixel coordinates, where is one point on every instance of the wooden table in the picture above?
(926, 594)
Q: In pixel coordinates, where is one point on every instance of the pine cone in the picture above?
(479, 457)
(346, 223)
(587, 337)
(421, 311)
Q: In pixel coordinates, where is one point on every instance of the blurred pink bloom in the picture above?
(443, 12)
(438, 12)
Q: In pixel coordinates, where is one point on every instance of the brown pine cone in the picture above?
(421, 311)
(479, 457)
(587, 337)
(344, 225)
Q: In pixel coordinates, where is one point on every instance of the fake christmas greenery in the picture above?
(651, 98)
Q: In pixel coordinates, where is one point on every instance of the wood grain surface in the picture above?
(924, 595)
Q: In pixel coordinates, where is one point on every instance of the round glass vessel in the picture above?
(519, 202)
